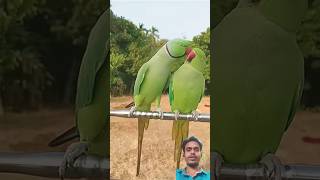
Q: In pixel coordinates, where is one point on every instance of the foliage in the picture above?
(132, 46)
(23, 77)
(41, 46)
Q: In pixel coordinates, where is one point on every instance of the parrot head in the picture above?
(177, 49)
(197, 59)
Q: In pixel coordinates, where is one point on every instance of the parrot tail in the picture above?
(68, 135)
(130, 105)
(180, 131)
(143, 124)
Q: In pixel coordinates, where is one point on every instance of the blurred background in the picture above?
(41, 46)
(308, 39)
(301, 142)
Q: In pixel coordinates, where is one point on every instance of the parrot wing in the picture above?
(92, 61)
(140, 77)
(167, 83)
(68, 135)
(171, 94)
(295, 103)
(202, 89)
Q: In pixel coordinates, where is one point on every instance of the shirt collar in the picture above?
(184, 171)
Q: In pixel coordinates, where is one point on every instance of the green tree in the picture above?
(42, 43)
(131, 46)
(23, 76)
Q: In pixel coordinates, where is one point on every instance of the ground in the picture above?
(31, 132)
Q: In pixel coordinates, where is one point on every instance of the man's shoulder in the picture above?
(204, 175)
(180, 171)
(181, 174)
(206, 172)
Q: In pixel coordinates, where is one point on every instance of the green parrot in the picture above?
(91, 100)
(185, 93)
(257, 82)
(151, 81)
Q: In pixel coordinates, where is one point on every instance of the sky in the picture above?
(173, 18)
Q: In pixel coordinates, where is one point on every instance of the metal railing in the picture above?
(47, 165)
(258, 172)
(157, 115)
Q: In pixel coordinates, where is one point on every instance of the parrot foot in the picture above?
(218, 161)
(131, 111)
(195, 115)
(176, 115)
(73, 152)
(160, 113)
(273, 166)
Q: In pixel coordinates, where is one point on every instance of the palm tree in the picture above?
(154, 32)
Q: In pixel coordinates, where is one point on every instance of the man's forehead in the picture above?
(192, 144)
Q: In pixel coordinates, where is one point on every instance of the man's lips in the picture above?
(192, 157)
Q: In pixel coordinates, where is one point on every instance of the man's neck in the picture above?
(192, 171)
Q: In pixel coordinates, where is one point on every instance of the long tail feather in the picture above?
(130, 105)
(142, 124)
(180, 132)
(68, 135)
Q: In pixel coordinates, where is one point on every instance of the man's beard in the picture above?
(193, 165)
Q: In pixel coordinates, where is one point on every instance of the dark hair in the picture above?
(192, 138)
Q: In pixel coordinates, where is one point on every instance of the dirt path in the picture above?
(31, 132)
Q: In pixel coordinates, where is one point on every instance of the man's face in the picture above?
(192, 154)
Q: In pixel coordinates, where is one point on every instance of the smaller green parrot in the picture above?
(152, 80)
(185, 92)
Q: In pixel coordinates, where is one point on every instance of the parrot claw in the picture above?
(272, 165)
(131, 111)
(218, 161)
(73, 152)
(160, 113)
(195, 115)
(176, 115)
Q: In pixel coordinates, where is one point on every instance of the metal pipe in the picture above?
(47, 165)
(157, 115)
(257, 172)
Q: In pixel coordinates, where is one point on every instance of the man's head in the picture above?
(192, 148)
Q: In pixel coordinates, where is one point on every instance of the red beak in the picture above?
(191, 55)
(188, 50)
